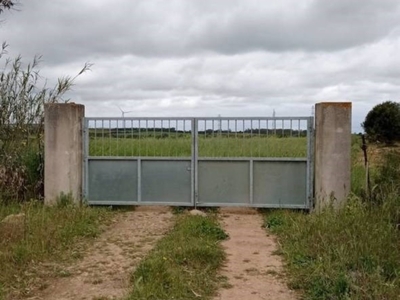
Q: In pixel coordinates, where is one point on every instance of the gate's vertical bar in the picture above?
(251, 182)
(85, 165)
(310, 162)
(102, 137)
(192, 164)
(117, 154)
(196, 161)
(139, 179)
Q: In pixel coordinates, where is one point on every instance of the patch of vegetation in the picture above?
(34, 234)
(177, 210)
(257, 146)
(23, 93)
(348, 254)
(184, 263)
(382, 123)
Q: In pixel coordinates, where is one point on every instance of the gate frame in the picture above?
(309, 159)
(194, 158)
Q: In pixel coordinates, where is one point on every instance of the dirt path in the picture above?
(252, 268)
(105, 270)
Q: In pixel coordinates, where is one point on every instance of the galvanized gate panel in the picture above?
(166, 181)
(223, 182)
(139, 161)
(254, 162)
(280, 183)
(113, 181)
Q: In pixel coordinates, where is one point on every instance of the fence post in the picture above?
(332, 153)
(63, 151)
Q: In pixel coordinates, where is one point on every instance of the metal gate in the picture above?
(254, 162)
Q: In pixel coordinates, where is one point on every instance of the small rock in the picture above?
(196, 212)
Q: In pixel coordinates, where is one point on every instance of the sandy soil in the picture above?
(105, 270)
(253, 270)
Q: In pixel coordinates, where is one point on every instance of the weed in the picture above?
(274, 221)
(64, 273)
(64, 200)
(209, 209)
(184, 263)
(272, 273)
(177, 210)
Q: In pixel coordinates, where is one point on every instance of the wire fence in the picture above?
(214, 137)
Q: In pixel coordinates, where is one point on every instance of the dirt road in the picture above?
(253, 270)
(105, 270)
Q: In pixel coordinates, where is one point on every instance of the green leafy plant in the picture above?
(382, 123)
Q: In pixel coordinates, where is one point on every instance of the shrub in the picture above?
(21, 126)
(382, 123)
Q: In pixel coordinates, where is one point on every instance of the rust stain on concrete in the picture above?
(339, 104)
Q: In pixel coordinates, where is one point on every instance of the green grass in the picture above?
(42, 234)
(348, 254)
(184, 263)
(358, 172)
(351, 254)
(208, 147)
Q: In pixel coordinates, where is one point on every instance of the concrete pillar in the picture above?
(63, 151)
(332, 153)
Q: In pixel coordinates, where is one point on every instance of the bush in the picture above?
(21, 126)
(382, 123)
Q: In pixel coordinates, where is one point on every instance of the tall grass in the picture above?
(208, 147)
(23, 94)
(348, 254)
(184, 263)
(39, 234)
(351, 254)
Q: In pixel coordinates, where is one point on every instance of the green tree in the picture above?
(382, 123)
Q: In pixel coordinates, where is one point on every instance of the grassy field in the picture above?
(184, 263)
(353, 253)
(41, 234)
(208, 147)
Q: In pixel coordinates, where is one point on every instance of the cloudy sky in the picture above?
(211, 57)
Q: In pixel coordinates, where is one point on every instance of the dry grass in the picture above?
(38, 235)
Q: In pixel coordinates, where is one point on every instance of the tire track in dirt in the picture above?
(253, 271)
(104, 272)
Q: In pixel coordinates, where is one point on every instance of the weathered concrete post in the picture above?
(332, 153)
(63, 151)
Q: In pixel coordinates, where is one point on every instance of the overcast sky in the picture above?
(211, 57)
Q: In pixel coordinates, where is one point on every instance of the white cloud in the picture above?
(229, 57)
